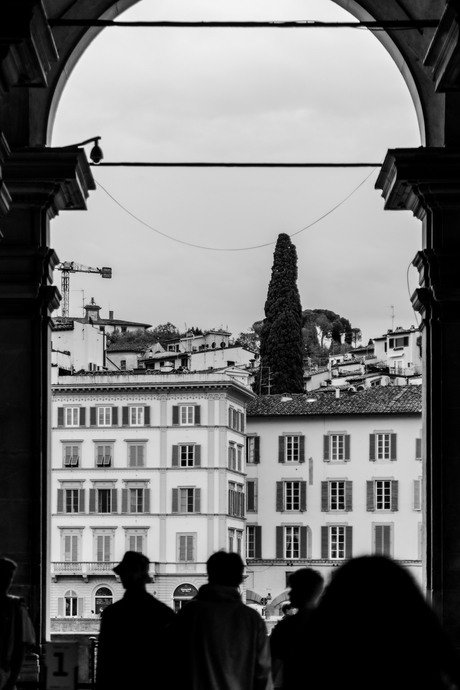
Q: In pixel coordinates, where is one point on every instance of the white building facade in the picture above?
(331, 475)
(152, 463)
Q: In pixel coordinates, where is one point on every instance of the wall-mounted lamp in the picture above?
(96, 154)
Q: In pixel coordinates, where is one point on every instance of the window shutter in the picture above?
(60, 501)
(132, 456)
(279, 496)
(324, 497)
(182, 547)
(125, 416)
(175, 456)
(370, 496)
(175, 500)
(326, 456)
(124, 500)
(146, 500)
(229, 459)
(348, 541)
(114, 505)
(60, 609)
(230, 417)
(302, 449)
(386, 540)
(418, 448)
(258, 541)
(303, 542)
(107, 544)
(100, 548)
(197, 458)
(378, 537)
(310, 471)
(242, 422)
(281, 449)
(82, 416)
(250, 496)
(197, 420)
(140, 456)
(372, 447)
(92, 500)
(175, 415)
(114, 416)
(92, 416)
(147, 415)
(80, 606)
(60, 417)
(348, 496)
(392, 446)
(417, 494)
(81, 501)
(74, 548)
(394, 495)
(197, 500)
(190, 549)
(279, 542)
(303, 496)
(132, 544)
(256, 449)
(324, 542)
(347, 446)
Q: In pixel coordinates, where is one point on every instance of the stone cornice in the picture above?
(53, 178)
(420, 179)
(444, 52)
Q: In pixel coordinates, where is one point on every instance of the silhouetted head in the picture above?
(306, 587)
(225, 569)
(133, 569)
(7, 571)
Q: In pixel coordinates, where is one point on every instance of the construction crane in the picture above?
(68, 267)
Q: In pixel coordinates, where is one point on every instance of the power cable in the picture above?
(231, 249)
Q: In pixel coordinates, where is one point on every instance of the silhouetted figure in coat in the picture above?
(131, 651)
(373, 630)
(289, 638)
(218, 642)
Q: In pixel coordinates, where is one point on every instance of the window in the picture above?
(103, 544)
(71, 455)
(251, 495)
(70, 605)
(186, 548)
(103, 416)
(186, 415)
(71, 416)
(235, 419)
(291, 495)
(291, 542)
(235, 499)
(70, 544)
(253, 541)
(103, 500)
(417, 491)
(186, 500)
(336, 542)
(418, 448)
(104, 455)
(232, 456)
(136, 540)
(135, 499)
(136, 415)
(382, 494)
(231, 540)
(136, 454)
(239, 542)
(383, 540)
(403, 341)
(291, 449)
(382, 446)
(71, 500)
(123, 364)
(253, 449)
(336, 447)
(336, 495)
(186, 455)
(103, 597)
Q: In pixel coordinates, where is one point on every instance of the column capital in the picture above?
(420, 179)
(444, 52)
(55, 179)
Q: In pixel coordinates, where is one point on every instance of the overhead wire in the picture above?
(232, 249)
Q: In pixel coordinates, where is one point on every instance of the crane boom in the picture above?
(68, 267)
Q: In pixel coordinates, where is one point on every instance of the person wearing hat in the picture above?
(131, 639)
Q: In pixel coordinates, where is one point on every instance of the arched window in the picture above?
(102, 598)
(70, 603)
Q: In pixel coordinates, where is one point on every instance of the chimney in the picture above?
(337, 393)
(111, 315)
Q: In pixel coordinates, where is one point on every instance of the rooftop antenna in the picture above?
(392, 316)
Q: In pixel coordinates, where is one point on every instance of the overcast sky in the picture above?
(238, 95)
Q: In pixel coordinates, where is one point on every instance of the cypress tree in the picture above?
(281, 344)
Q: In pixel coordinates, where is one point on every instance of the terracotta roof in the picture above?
(378, 400)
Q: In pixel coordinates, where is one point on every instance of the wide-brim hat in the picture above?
(133, 561)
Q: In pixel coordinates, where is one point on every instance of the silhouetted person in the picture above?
(16, 632)
(132, 638)
(219, 642)
(373, 630)
(289, 638)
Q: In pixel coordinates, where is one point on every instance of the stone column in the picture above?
(427, 182)
(35, 185)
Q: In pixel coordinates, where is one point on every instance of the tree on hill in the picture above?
(137, 337)
(281, 345)
(166, 331)
(249, 339)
